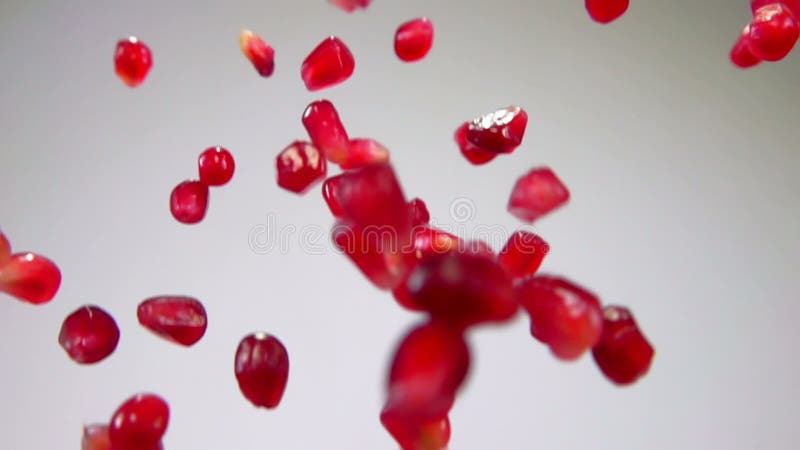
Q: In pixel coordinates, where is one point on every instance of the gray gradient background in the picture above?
(684, 179)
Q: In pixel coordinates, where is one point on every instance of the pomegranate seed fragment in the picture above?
(216, 166)
(89, 335)
(413, 39)
(300, 166)
(537, 193)
(95, 437)
(605, 11)
(793, 5)
(372, 196)
(132, 61)
(433, 435)
(258, 52)
(326, 131)
(419, 211)
(350, 5)
(177, 319)
(330, 194)
(262, 369)
(523, 254)
(740, 55)
(5, 249)
(623, 354)
(189, 201)
(329, 64)
(363, 152)
(564, 316)
(139, 423)
(773, 32)
(471, 152)
(30, 277)
(500, 131)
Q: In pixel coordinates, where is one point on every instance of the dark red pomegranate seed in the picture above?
(262, 369)
(740, 55)
(30, 277)
(329, 193)
(471, 152)
(89, 335)
(793, 5)
(419, 211)
(5, 249)
(132, 61)
(605, 11)
(523, 254)
(773, 32)
(178, 319)
(260, 54)
(329, 64)
(189, 202)
(434, 435)
(139, 423)
(363, 152)
(300, 166)
(326, 131)
(350, 5)
(537, 193)
(500, 131)
(623, 354)
(564, 316)
(413, 39)
(216, 166)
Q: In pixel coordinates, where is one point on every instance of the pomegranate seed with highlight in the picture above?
(740, 55)
(178, 319)
(260, 54)
(95, 437)
(471, 152)
(413, 39)
(326, 131)
(189, 202)
(139, 423)
(793, 5)
(329, 64)
(537, 193)
(262, 369)
(500, 131)
(299, 166)
(216, 166)
(773, 32)
(363, 152)
(30, 277)
(89, 335)
(623, 353)
(132, 61)
(523, 254)
(605, 11)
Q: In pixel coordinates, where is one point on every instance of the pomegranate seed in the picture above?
(331, 196)
(30, 277)
(372, 196)
(95, 437)
(523, 254)
(139, 423)
(434, 435)
(132, 61)
(262, 369)
(623, 353)
(537, 193)
(189, 202)
(5, 249)
(473, 154)
(299, 167)
(793, 5)
(500, 131)
(740, 55)
(413, 39)
(329, 64)
(362, 152)
(605, 11)
(419, 211)
(773, 32)
(564, 316)
(479, 247)
(260, 54)
(326, 131)
(89, 335)
(216, 166)
(175, 318)
(350, 5)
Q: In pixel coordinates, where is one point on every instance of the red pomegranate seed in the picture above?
(364, 151)
(419, 211)
(139, 423)
(95, 437)
(564, 316)
(472, 153)
(331, 196)
(434, 435)
(326, 131)
(5, 249)
(500, 131)
(523, 254)
(299, 167)
(623, 354)
(537, 193)
(262, 369)
(605, 11)
(89, 335)
(773, 32)
(740, 55)
(413, 39)
(372, 196)
(175, 318)
(132, 61)
(793, 5)
(216, 166)
(260, 54)
(329, 64)
(30, 277)
(479, 247)
(189, 202)
(350, 5)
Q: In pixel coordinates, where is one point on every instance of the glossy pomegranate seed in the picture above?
(419, 211)
(139, 423)
(740, 55)
(434, 435)
(372, 196)
(605, 11)
(262, 369)
(89, 335)
(300, 166)
(132, 61)
(350, 5)
(364, 151)
(30, 277)
(537, 193)
(260, 54)
(773, 32)
(216, 166)
(175, 318)
(189, 202)
(5, 249)
(500, 131)
(793, 5)
(471, 152)
(329, 64)
(523, 254)
(331, 196)
(326, 131)
(95, 437)
(564, 316)
(623, 353)
(413, 39)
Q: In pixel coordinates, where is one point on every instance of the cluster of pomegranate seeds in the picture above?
(350, 5)
(29, 277)
(188, 202)
(606, 11)
(178, 319)
(537, 193)
(523, 254)
(89, 335)
(329, 64)
(139, 423)
(413, 39)
(262, 369)
(623, 353)
(132, 61)
(770, 36)
(299, 166)
(258, 52)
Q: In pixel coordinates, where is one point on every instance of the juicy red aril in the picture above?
(89, 335)
(260, 54)
(413, 39)
(5, 249)
(740, 55)
(363, 152)
(623, 353)
(372, 196)
(500, 131)
(537, 193)
(793, 5)
(132, 61)
(329, 64)
(350, 5)
(262, 369)
(605, 11)
(30, 277)
(564, 316)
(189, 202)
(523, 254)
(299, 166)
(95, 437)
(331, 196)
(176, 318)
(433, 435)
(471, 152)
(773, 32)
(419, 211)
(216, 166)
(326, 131)
(139, 423)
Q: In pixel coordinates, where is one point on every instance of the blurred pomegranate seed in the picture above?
(5, 249)
(500, 131)
(300, 166)
(623, 353)
(740, 55)
(564, 316)
(793, 5)
(216, 166)
(605, 11)
(178, 319)
(372, 196)
(326, 131)
(132, 61)
(773, 32)
(427, 240)
(350, 5)
(139, 423)
(262, 369)
(478, 247)
(434, 435)
(331, 196)
(470, 151)
(89, 335)
(537, 193)
(523, 254)
(189, 201)
(363, 152)
(329, 64)
(30, 277)
(260, 54)
(419, 211)
(95, 437)
(413, 39)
